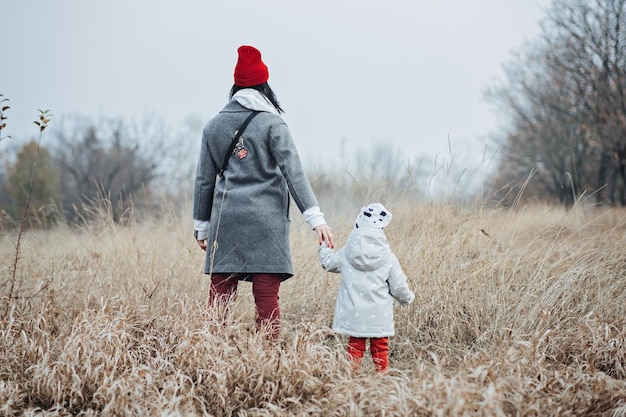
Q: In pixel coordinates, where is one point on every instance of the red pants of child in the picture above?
(265, 290)
(379, 348)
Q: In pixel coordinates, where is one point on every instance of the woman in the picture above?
(241, 215)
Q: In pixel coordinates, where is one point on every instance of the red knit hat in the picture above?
(250, 69)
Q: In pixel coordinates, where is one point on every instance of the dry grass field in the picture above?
(517, 313)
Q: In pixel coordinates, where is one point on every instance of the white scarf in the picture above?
(253, 100)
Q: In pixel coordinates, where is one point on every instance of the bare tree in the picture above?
(566, 101)
(594, 36)
(111, 161)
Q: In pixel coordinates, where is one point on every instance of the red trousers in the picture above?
(379, 348)
(265, 290)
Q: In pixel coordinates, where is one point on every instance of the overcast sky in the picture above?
(410, 73)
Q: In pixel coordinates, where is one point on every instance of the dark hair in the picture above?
(264, 89)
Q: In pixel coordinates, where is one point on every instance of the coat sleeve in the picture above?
(284, 152)
(398, 284)
(204, 184)
(329, 259)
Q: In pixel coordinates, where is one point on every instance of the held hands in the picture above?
(325, 235)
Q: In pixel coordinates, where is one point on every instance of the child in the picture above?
(371, 278)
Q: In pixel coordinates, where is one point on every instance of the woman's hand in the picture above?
(324, 234)
(202, 244)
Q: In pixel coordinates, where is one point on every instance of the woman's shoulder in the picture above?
(267, 117)
(233, 113)
(233, 106)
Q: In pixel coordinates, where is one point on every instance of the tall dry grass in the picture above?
(517, 313)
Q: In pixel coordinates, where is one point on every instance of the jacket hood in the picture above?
(367, 249)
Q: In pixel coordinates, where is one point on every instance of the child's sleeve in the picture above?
(398, 284)
(329, 259)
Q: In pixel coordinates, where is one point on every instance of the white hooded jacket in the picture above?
(371, 278)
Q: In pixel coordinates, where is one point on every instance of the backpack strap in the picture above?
(231, 148)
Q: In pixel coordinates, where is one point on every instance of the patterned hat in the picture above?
(374, 216)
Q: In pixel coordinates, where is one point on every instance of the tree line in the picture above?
(84, 164)
(564, 98)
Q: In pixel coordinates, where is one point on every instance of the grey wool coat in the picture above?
(248, 209)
